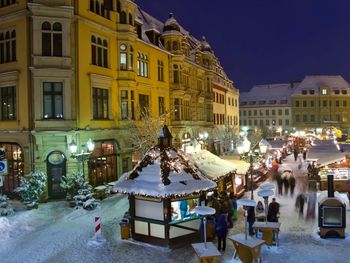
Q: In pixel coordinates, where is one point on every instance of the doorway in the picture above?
(56, 169)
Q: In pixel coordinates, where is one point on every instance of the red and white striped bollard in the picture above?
(98, 233)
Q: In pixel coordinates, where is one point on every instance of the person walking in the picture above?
(299, 204)
(292, 183)
(279, 183)
(221, 231)
(234, 206)
(251, 219)
(295, 152)
(260, 212)
(285, 181)
(273, 211)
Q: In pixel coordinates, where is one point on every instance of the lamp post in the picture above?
(82, 156)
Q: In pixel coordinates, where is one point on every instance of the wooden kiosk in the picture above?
(164, 188)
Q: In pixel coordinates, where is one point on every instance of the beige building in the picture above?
(267, 107)
(321, 101)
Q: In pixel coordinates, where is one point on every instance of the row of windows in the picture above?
(232, 102)
(7, 46)
(263, 102)
(312, 118)
(219, 119)
(99, 8)
(232, 120)
(4, 3)
(184, 111)
(264, 122)
(219, 98)
(265, 112)
(323, 103)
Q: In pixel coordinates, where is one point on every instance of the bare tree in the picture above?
(228, 136)
(143, 133)
(254, 136)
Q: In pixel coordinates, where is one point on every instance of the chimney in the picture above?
(330, 184)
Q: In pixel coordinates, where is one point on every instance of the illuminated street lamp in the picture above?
(82, 156)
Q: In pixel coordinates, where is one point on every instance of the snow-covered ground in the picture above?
(56, 233)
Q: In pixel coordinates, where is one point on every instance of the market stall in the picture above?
(240, 180)
(164, 188)
(219, 170)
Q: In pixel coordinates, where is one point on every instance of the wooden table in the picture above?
(248, 250)
(268, 228)
(206, 255)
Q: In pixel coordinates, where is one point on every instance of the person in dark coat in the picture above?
(295, 152)
(273, 211)
(251, 219)
(299, 204)
(279, 183)
(292, 184)
(221, 231)
(285, 181)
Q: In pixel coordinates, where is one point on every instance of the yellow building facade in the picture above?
(75, 70)
(320, 102)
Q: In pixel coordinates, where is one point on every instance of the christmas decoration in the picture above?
(31, 188)
(5, 208)
(79, 190)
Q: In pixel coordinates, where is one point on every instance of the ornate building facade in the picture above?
(74, 70)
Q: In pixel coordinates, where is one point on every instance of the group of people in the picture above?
(225, 206)
(285, 181)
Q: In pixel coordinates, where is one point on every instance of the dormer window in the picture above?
(344, 92)
(311, 91)
(304, 92)
(324, 92)
(336, 92)
(262, 102)
(272, 102)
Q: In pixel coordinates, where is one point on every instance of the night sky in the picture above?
(267, 41)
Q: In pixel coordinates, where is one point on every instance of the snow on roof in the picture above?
(269, 92)
(211, 165)
(325, 152)
(148, 178)
(324, 196)
(315, 82)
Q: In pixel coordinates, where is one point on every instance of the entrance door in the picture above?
(56, 169)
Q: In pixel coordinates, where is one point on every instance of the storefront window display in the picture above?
(183, 210)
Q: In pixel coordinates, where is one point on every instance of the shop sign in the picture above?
(3, 167)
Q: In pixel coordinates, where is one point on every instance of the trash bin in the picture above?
(124, 228)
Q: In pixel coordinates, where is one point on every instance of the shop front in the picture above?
(15, 162)
(340, 177)
(103, 163)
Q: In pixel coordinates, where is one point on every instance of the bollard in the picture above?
(98, 234)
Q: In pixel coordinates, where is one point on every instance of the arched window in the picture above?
(119, 8)
(99, 51)
(142, 65)
(51, 39)
(97, 7)
(92, 5)
(131, 22)
(122, 18)
(175, 45)
(93, 50)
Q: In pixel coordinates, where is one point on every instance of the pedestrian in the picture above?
(251, 219)
(292, 183)
(311, 204)
(221, 231)
(299, 204)
(260, 212)
(295, 152)
(273, 211)
(304, 154)
(279, 183)
(285, 181)
(234, 206)
(228, 207)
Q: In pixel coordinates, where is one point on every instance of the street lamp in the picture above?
(82, 156)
